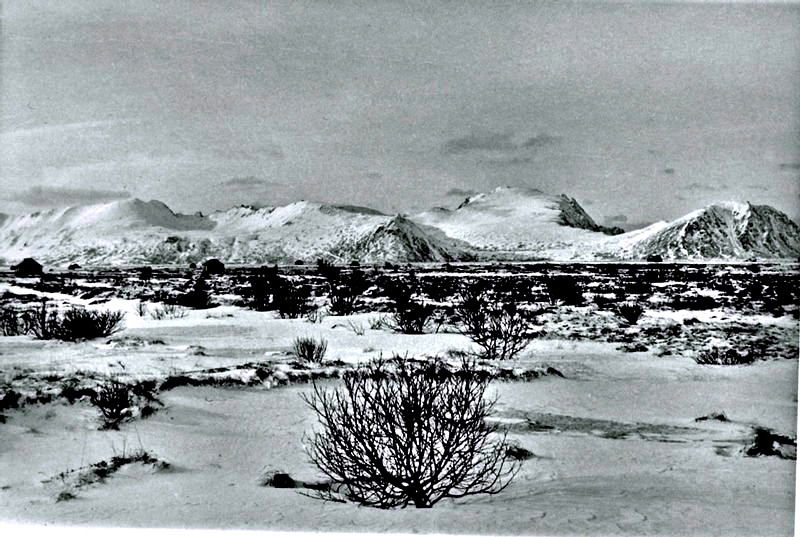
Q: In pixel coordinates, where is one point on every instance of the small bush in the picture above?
(309, 350)
(113, 400)
(292, 300)
(412, 317)
(630, 311)
(74, 324)
(199, 296)
(501, 330)
(564, 290)
(12, 323)
(261, 286)
(345, 290)
(725, 356)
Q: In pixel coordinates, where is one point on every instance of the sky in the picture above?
(641, 111)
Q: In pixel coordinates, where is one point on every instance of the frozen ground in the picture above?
(617, 446)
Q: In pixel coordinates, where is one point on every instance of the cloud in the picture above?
(702, 187)
(248, 183)
(479, 142)
(496, 142)
(460, 192)
(45, 196)
(616, 219)
(541, 140)
(503, 162)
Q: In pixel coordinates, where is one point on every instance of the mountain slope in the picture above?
(519, 222)
(727, 230)
(134, 232)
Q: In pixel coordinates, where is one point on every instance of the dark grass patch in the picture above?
(98, 472)
(714, 416)
(768, 443)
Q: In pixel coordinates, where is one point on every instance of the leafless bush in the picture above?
(12, 322)
(630, 311)
(725, 356)
(113, 400)
(292, 300)
(501, 330)
(73, 324)
(412, 316)
(309, 350)
(402, 432)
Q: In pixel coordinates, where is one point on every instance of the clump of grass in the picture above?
(358, 328)
(309, 350)
(630, 311)
(316, 316)
(379, 323)
(168, 311)
(725, 356)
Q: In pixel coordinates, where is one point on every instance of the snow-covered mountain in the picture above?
(132, 232)
(515, 222)
(727, 230)
(504, 224)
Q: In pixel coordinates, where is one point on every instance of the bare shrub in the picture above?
(292, 300)
(564, 289)
(404, 433)
(309, 350)
(199, 296)
(500, 329)
(345, 290)
(113, 400)
(630, 311)
(725, 356)
(412, 317)
(12, 322)
(73, 324)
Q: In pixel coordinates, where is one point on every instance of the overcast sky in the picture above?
(641, 111)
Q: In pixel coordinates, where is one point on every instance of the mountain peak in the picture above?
(722, 230)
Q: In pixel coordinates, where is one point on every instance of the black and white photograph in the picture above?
(513, 267)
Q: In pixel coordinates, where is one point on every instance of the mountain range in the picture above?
(507, 223)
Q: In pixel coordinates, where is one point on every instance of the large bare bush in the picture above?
(403, 432)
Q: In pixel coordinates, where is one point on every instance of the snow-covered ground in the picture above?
(617, 446)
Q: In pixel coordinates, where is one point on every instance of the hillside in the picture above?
(727, 230)
(519, 222)
(135, 232)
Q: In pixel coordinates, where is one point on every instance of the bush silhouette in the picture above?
(500, 329)
(404, 432)
(73, 324)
